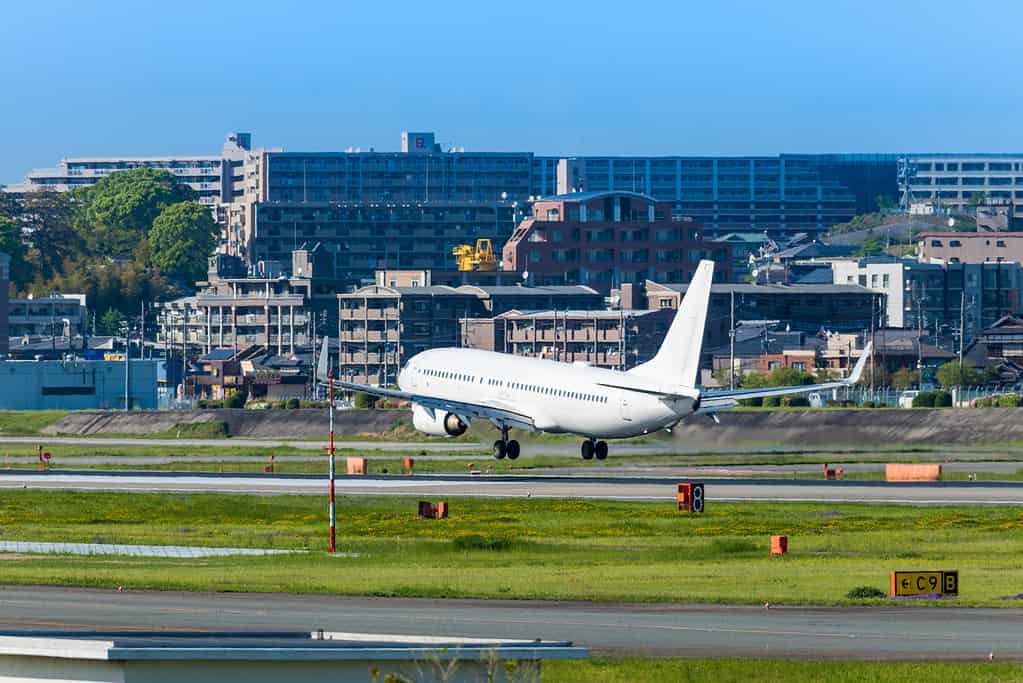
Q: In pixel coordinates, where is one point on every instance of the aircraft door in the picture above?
(626, 409)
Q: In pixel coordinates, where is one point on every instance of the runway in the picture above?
(515, 486)
(899, 632)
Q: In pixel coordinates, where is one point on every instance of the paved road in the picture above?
(507, 486)
(903, 632)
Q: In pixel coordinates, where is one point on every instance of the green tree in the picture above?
(904, 378)
(108, 285)
(884, 202)
(118, 211)
(183, 237)
(948, 374)
(872, 245)
(12, 244)
(110, 323)
(47, 218)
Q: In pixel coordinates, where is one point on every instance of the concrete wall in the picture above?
(269, 424)
(853, 427)
(75, 385)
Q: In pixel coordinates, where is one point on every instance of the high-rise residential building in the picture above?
(781, 195)
(212, 177)
(953, 180)
(604, 239)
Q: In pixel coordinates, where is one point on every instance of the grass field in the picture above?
(27, 422)
(527, 548)
(631, 670)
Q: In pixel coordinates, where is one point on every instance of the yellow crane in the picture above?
(480, 258)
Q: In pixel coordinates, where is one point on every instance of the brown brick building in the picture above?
(605, 239)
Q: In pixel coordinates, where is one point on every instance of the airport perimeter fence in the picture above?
(889, 396)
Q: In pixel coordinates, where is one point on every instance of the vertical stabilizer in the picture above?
(323, 363)
(678, 359)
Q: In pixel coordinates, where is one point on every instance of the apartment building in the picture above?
(235, 309)
(807, 308)
(609, 339)
(970, 247)
(362, 238)
(212, 177)
(604, 239)
(382, 327)
(781, 195)
(934, 296)
(56, 315)
(953, 180)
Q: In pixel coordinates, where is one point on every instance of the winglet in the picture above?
(857, 370)
(323, 363)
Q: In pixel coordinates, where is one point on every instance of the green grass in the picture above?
(27, 422)
(632, 670)
(524, 548)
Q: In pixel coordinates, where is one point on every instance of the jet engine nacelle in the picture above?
(439, 423)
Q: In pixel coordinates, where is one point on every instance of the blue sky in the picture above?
(148, 77)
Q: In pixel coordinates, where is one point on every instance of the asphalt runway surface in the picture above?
(565, 448)
(509, 486)
(897, 632)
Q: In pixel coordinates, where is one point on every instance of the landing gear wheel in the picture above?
(587, 450)
(600, 450)
(500, 450)
(512, 450)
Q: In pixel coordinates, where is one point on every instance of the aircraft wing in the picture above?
(470, 411)
(723, 400)
(465, 409)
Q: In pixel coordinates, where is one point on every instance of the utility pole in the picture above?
(731, 345)
(919, 334)
(127, 366)
(184, 350)
(873, 301)
(962, 332)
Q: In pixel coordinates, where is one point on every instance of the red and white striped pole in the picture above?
(330, 451)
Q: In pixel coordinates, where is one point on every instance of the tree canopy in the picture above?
(183, 236)
(119, 210)
(948, 374)
(99, 240)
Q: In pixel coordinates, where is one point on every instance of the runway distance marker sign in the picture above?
(922, 583)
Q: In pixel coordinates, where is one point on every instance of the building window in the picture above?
(665, 303)
(1000, 243)
(955, 243)
(885, 281)
(936, 243)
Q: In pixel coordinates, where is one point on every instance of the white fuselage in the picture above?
(558, 397)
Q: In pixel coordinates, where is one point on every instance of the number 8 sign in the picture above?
(698, 498)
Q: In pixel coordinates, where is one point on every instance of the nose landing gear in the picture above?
(592, 447)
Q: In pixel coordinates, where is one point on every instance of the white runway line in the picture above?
(174, 551)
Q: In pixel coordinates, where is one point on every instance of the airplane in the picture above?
(451, 387)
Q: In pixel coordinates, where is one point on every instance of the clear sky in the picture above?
(119, 77)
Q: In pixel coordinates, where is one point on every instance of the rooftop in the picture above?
(741, 288)
(587, 196)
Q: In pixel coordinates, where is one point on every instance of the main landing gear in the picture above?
(505, 447)
(592, 447)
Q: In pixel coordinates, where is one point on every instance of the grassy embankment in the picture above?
(543, 549)
(629, 670)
